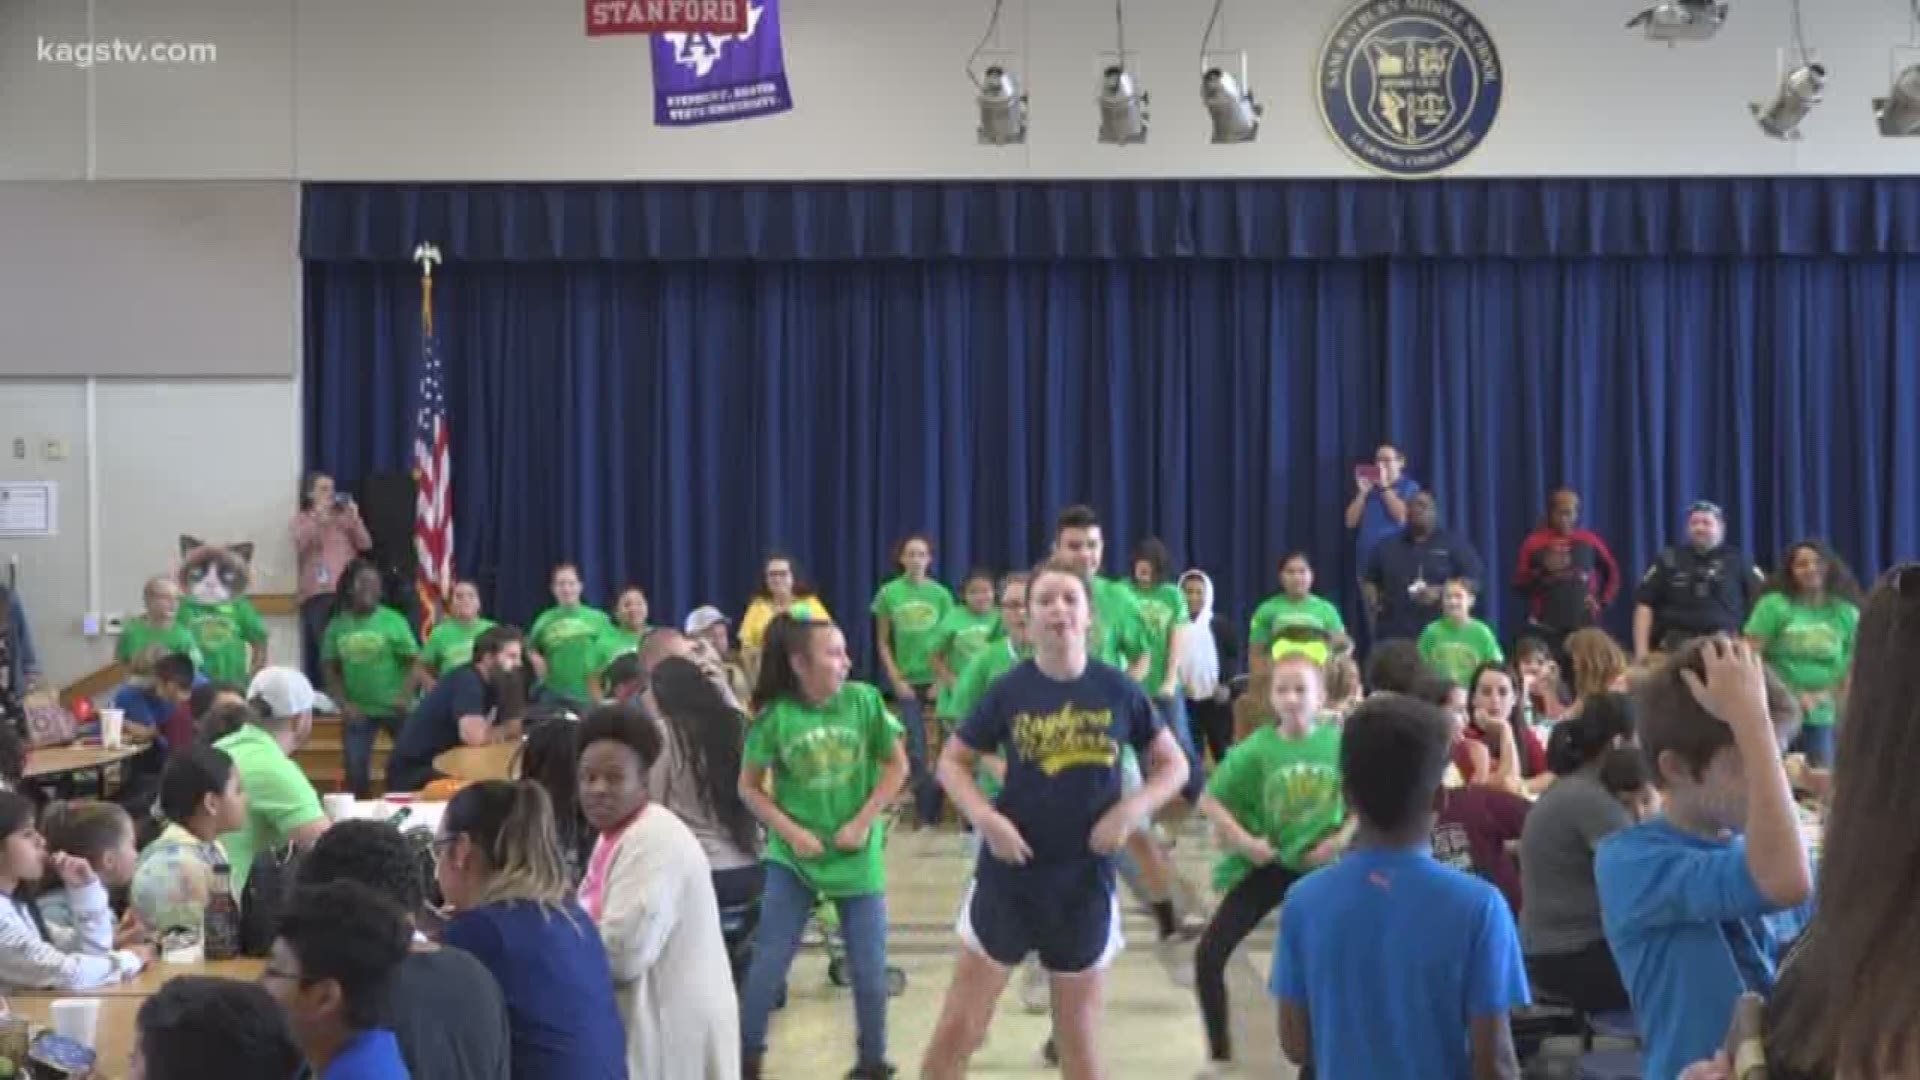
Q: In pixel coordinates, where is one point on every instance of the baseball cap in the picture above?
(285, 690)
(703, 619)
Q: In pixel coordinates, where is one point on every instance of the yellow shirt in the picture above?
(753, 625)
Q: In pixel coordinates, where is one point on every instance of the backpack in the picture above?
(269, 884)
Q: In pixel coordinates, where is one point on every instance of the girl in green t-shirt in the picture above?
(962, 635)
(1277, 807)
(823, 760)
(1804, 625)
(907, 612)
(451, 643)
(629, 629)
(1456, 643)
(565, 638)
(372, 665)
(1294, 607)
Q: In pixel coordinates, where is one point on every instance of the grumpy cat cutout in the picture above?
(212, 574)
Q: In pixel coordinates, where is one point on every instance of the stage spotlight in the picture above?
(1236, 118)
(1003, 109)
(1681, 20)
(1123, 108)
(1799, 92)
(1899, 112)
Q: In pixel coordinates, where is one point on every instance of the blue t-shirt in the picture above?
(1375, 523)
(1393, 955)
(1691, 932)
(434, 726)
(553, 972)
(1062, 742)
(370, 1055)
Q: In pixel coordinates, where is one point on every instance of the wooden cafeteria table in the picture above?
(51, 761)
(476, 763)
(120, 1005)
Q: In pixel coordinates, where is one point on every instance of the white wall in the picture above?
(505, 89)
(217, 459)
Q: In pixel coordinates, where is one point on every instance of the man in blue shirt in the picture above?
(1390, 964)
(1407, 571)
(1695, 912)
(334, 956)
(462, 709)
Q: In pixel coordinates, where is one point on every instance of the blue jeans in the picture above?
(1817, 743)
(1173, 712)
(926, 790)
(357, 743)
(784, 909)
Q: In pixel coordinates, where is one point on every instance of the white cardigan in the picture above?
(660, 924)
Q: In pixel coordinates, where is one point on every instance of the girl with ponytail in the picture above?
(499, 864)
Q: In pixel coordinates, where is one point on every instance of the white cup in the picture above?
(111, 723)
(339, 806)
(77, 1019)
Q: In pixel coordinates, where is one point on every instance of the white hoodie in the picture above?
(1199, 665)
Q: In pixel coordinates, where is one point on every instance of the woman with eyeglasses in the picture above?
(498, 863)
(782, 589)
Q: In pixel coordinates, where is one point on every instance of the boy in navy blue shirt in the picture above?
(1695, 912)
(1389, 963)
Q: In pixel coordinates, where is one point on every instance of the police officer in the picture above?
(1703, 587)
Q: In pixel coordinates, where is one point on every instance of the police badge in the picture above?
(1409, 87)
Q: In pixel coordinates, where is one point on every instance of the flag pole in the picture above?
(428, 587)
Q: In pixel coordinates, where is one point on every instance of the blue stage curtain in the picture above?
(669, 422)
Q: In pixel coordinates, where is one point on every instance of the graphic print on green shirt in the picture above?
(1284, 791)
(826, 760)
(137, 634)
(1281, 612)
(1162, 608)
(569, 638)
(1458, 651)
(374, 653)
(974, 682)
(1811, 648)
(224, 631)
(451, 644)
(961, 636)
(914, 612)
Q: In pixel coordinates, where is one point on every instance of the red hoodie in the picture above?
(1561, 574)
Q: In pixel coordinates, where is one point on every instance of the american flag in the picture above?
(432, 474)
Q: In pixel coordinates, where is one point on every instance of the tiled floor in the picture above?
(1152, 1028)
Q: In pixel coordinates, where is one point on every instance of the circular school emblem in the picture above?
(1409, 87)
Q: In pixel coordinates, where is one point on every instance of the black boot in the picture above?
(873, 1071)
(750, 1066)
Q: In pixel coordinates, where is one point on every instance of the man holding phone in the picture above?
(1378, 510)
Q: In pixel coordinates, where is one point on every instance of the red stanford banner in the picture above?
(666, 16)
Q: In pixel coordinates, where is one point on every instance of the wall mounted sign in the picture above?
(1409, 88)
(660, 16)
(705, 78)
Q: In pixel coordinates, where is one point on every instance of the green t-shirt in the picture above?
(975, 679)
(961, 636)
(224, 631)
(569, 639)
(1282, 612)
(451, 644)
(1119, 633)
(616, 642)
(1284, 791)
(1810, 648)
(914, 612)
(137, 633)
(1458, 651)
(1162, 608)
(279, 799)
(374, 653)
(825, 761)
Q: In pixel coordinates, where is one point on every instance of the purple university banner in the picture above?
(705, 78)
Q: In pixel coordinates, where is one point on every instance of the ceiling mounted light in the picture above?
(1003, 107)
(1229, 102)
(1681, 20)
(1799, 92)
(1123, 105)
(1898, 114)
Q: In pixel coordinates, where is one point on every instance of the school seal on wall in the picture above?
(1409, 88)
